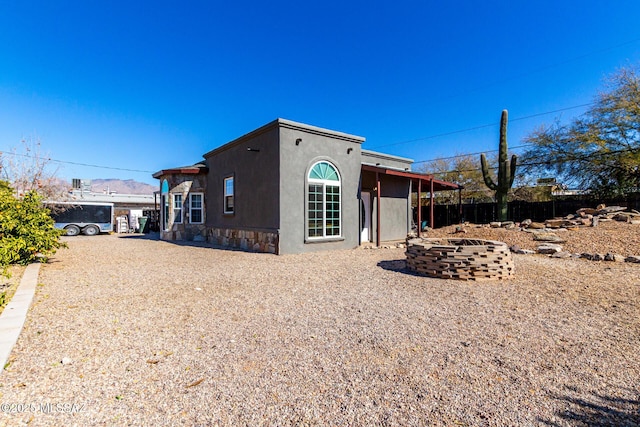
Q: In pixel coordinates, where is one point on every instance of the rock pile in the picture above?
(550, 242)
(591, 217)
(584, 217)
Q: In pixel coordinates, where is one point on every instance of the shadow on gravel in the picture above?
(187, 243)
(139, 236)
(397, 265)
(599, 410)
(156, 237)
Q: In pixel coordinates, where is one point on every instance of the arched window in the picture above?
(164, 201)
(324, 204)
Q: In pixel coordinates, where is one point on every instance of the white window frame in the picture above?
(324, 183)
(231, 194)
(176, 209)
(201, 208)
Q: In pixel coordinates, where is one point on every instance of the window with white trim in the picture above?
(195, 208)
(324, 206)
(177, 208)
(228, 195)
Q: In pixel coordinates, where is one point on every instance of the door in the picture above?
(365, 217)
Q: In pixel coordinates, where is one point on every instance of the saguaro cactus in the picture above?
(506, 170)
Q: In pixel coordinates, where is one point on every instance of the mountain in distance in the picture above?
(122, 186)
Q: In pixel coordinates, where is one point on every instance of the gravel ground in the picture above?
(162, 334)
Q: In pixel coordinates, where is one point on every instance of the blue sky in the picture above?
(152, 85)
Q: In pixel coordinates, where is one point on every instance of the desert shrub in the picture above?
(27, 231)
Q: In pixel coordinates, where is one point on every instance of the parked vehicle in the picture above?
(89, 218)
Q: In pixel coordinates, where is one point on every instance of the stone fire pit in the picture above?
(463, 259)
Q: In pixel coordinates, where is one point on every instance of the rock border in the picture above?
(555, 251)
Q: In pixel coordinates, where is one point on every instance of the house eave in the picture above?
(439, 185)
(181, 171)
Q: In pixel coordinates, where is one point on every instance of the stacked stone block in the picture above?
(462, 259)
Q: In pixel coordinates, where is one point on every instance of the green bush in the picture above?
(27, 231)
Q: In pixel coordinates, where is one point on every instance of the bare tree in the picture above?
(464, 170)
(29, 169)
(599, 151)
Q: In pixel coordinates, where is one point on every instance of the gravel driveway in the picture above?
(154, 333)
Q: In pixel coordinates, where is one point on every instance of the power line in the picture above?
(514, 78)
(440, 135)
(469, 154)
(553, 162)
(76, 163)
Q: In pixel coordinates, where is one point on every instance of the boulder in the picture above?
(537, 226)
(562, 222)
(525, 252)
(527, 222)
(561, 254)
(554, 223)
(547, 237)
(549, 248)
(613, 257)
(622, 217)
(518, 250)
(609, 209)
(586, 211)
(635, 259)
(495, 224)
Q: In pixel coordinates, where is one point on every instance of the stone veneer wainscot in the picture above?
(258, 241)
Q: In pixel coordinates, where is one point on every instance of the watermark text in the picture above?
(44, 407)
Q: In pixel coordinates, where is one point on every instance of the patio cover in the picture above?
(429, 181)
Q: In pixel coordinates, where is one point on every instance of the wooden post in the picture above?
(419, 206)
(378, 209)
(431, 204)
(460, 204)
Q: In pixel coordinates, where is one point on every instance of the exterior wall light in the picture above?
(298, 141)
